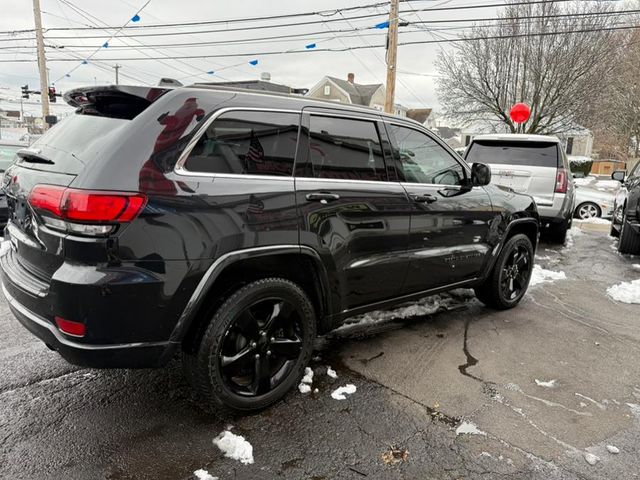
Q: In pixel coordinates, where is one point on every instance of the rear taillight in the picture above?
(562, 181)
(85, 212)
(70, 327)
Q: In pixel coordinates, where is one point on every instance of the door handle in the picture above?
(322, 197)
(426, 198)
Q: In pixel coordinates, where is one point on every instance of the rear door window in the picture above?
(533, 154)
(344, 148)
(247, 142)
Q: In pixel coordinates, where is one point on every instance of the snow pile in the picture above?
(597, 220)
(424, 306)
(234, 446)
(549, 384)
(613, 449)
(541, 275)
(341, 392)
(636, 266)
(331, 372)
(625, 292)
(571, 234)
(204, 475)
(468, 428)
(591, 458)
(307, 380)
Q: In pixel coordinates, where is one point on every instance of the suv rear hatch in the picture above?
(529, 167)
(53, 162)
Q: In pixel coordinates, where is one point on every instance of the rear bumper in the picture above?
(129, 355)
(561, 212)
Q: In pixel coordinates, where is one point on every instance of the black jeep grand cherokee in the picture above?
(236, 226)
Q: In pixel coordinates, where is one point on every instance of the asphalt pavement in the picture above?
(462, 393)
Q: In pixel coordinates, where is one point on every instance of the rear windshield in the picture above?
(534, 154)
(73, 143)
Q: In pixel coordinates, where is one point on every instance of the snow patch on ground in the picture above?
(548, 384)
(613, 449)
(331, 372)
(202, 474)
(571, 234)
(636, 266)
(625, 292)
(591, 458)
(307, 380)
(340, 393)
(234, 446)
(541, 275)
(597, 220)
(424, 306)
(468, 428)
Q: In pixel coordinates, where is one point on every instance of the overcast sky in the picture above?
(415, 89)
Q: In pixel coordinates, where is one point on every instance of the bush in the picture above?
(581, 167)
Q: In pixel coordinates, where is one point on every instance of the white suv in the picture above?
(535, 165)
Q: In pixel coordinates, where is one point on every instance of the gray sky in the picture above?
(297, 70)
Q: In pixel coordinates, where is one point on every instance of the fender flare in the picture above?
(224, 261)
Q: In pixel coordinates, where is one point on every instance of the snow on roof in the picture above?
(518, 137)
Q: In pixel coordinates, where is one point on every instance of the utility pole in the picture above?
(117, 67)
(392, 55)
(42, 64)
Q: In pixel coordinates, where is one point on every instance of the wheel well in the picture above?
(300, 269)
(530, 229)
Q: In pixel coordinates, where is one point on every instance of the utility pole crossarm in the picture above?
(392, 55)
(42, 63)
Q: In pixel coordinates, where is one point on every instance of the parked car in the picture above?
(535, 165)
(8, 151)
(593, 202)
(235, 226)
(626, 211)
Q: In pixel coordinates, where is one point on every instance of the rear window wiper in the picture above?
(33, 156)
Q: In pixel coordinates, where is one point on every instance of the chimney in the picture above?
(350, 77)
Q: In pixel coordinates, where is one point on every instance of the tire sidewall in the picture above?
(517, 240)
(213, 338)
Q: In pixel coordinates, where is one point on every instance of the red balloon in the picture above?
(520, 112)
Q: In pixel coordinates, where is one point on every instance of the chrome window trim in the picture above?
(179, 167)
(347, 180)
(373, 118)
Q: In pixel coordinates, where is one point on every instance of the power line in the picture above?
(359, 47)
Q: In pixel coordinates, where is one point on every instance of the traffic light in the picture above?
(25, 91)
(52, 94)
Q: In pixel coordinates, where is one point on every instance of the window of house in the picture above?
(423, 160)
(344, 148)
(327, 89)
(247, 142)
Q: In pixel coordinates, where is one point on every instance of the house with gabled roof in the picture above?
(347, 91)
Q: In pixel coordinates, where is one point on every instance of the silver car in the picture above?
(594, 202)
(535, 165)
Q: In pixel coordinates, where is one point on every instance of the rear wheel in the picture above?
(629, 240)
(255, 347)
(587, 210)
(510, 277)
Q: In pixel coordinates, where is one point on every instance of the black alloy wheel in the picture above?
(261, 347)
(508, 281)
(253, 348)
(515, 273)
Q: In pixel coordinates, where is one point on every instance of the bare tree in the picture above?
(522, 58)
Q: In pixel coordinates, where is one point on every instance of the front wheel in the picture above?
(588, 210)
(255, 347)
(509, 279)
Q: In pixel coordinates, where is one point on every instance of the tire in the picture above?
(289, 327)
(629, 242)
(587, 210)
(558, 233)
(492, 292)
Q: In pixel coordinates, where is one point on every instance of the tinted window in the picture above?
(423, 160)
(534, 154)
(344, 148)
(262, 143)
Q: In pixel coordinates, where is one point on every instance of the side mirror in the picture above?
(618, 175)
(480, 175)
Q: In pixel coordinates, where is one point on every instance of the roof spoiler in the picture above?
(115, 101)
